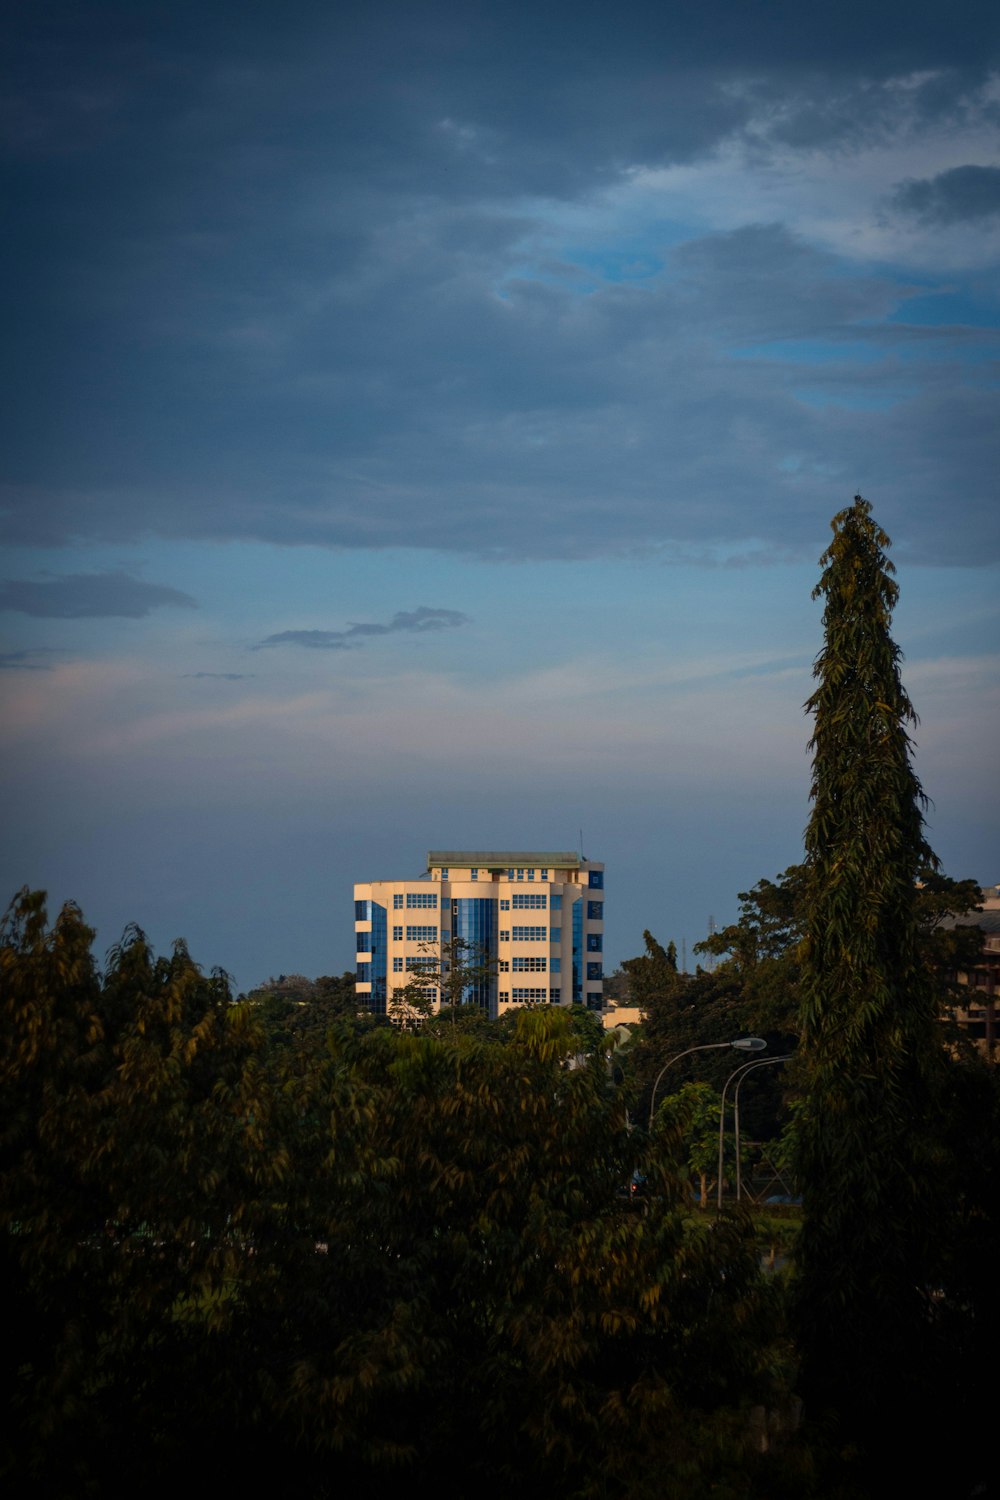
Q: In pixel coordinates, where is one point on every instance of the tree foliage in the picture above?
(358, 1257)
(868, 1158)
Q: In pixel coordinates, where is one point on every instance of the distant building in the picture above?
(535, 917)
(977, 1013)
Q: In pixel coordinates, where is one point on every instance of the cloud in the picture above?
(958, 196)
(221, 676)
(23, 661)
(77, 596)
(417, 621)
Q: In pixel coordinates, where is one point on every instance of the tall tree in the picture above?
(868, 1010)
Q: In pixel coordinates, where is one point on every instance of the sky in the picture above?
(421, 425)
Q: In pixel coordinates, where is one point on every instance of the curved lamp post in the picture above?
(743, 1044)
(738, 1073)
(766, 1063)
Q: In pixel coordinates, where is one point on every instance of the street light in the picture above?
(738, 1073)
(766, 1063)
(743, 1044)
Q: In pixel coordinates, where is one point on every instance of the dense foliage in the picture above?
(878, 1172)
(348, 1256)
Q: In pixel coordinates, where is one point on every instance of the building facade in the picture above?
(531, 921)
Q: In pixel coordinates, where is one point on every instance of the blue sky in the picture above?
(422, 423)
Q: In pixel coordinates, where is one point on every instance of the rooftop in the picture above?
(504, 859)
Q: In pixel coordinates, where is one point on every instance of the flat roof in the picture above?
(504, 859)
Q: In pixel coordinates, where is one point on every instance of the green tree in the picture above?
(458, 975)
(867, 1158)
(391, 1255)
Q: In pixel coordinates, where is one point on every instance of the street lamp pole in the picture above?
(767, 1062)
(738, 1073)
(742, 1044)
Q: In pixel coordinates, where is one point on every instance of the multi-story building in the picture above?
(977, 1015)
(533, 919)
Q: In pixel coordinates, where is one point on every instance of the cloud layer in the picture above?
(78, 596)
(417, 621)
(518, 289)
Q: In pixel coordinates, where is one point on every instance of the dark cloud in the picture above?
(26, 661)
(960, 195)
(417, 621)
(300, 301)
(222, 676)
(77, 596)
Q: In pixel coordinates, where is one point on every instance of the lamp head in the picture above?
(749, 1044)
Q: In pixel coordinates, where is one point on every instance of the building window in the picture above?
(555, 904)
(596, 880)
(510, 874)
(421, 934)
(504, 937)
(544, 874)
(595, 971)
(397, 934)
(505, 996)
(555, 997)
(530, 997)
(362, 911)
(397, 900)
(364, 942)
(555, 934)
(595, 1000)
(504, 966)
(595, 911)
(529, 934)
(520, 874)
(595, 942)
(474, 874)
(505, 906)
(363, 974)
(418, 898)
(531, 874)
(417, 961)
(444, 872)
(523, 900)
(397, 966)
(528, 965)
(556, 966)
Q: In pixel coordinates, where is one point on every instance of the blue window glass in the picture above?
(362, 911)
(595, 971)
(474, 874)
(555, 902)
(397, 934)
(596, 880)
(364, 942)
(474, 920)
(444, 872)
(555, 997)
(505, 906)
(595, 942)
(595, 911)
(555, 967)
(377, 998)
(595, 1000)
(363, 973)
(397, 966)
(397, 900)
(555, 934)
(577, 951)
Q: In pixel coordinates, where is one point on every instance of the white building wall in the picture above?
(530, 925)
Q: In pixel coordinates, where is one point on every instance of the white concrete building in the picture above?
(536, 918)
